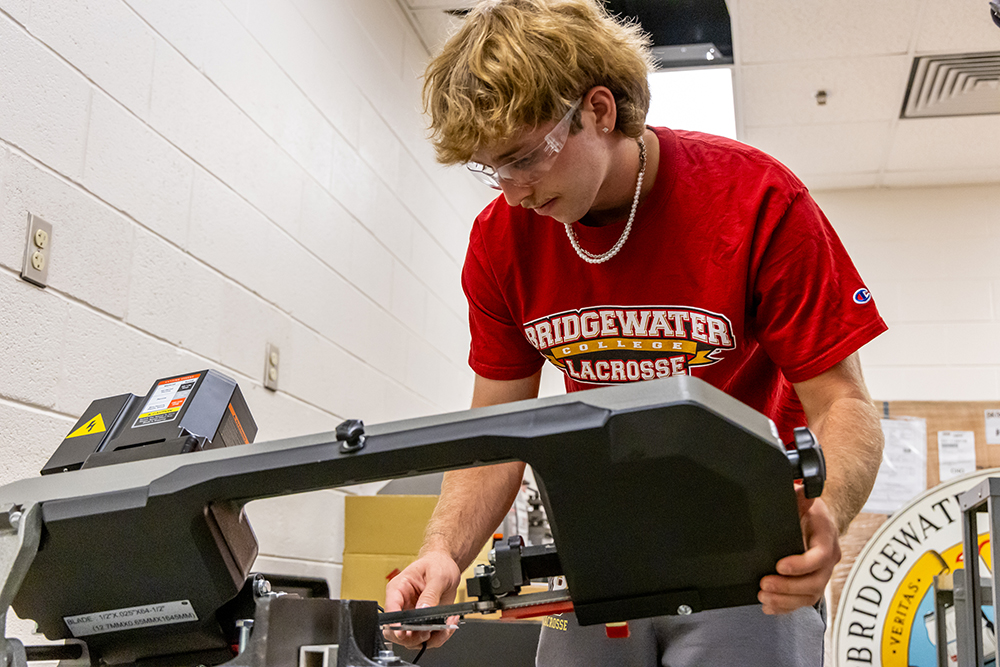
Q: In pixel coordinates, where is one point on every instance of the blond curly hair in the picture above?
(514, 64)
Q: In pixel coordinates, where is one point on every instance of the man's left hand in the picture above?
(801, 579)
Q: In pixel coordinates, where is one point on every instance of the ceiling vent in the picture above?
(953, 85)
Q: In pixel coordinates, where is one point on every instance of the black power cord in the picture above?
(423, 647)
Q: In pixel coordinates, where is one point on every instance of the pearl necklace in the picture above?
(590, 257)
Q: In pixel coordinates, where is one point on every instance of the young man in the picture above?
(694, 253)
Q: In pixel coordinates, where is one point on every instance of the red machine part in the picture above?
(617, 630)
(535, 610)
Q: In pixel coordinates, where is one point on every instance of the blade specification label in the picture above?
(166, 401)
(131, 618)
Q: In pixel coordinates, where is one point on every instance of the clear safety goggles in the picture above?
(529, 168)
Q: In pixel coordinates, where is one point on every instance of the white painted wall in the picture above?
(931, 257)
(221, 174)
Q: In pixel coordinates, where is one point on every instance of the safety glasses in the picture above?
(529, 168)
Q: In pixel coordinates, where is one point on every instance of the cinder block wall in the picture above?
(221, 174)
(931, 257)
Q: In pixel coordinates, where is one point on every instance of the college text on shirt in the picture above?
(612, 344)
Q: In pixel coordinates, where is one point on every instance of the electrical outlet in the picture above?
(271, 359)
(37, 252)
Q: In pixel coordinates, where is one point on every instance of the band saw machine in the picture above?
(664, 497)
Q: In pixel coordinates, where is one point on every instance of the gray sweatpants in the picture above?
(718, 637)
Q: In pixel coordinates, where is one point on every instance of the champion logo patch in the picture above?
(862, 296)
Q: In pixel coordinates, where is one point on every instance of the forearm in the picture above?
(851, 436)
(841, 414)
(473, 502)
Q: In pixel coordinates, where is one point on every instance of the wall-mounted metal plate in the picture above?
(271, 359)
(37, 251)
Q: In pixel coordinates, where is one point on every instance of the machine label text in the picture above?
(131, 618)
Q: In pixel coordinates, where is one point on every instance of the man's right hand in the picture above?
(428, 581)
(472, 503)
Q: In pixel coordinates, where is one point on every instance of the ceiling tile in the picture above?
(858, 90)
(778, 30)
(824, 149)
(957, 26)
(957, 142)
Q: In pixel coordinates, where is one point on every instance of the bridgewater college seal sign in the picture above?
(886, 613)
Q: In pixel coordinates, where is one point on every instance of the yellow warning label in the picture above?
(159, 412)
(95, 425)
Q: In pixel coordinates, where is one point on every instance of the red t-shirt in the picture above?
(731, 273)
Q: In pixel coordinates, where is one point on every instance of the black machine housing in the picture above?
(662, 496)
(179, 414)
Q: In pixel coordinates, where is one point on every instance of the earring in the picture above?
(606, 130)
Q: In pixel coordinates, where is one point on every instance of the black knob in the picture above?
(807, 462)
(351, 434)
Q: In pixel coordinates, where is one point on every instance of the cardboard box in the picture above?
(382, 535)
(386, 524)
(365, 575)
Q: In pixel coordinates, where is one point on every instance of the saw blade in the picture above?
(441, 613)
(414, 627)
(532, 599)
(428, 614)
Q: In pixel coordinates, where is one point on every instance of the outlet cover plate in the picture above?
(271, 359)
(29, 272)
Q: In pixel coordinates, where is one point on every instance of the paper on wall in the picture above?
(903, 473)
(956, 453)
(993, 427)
